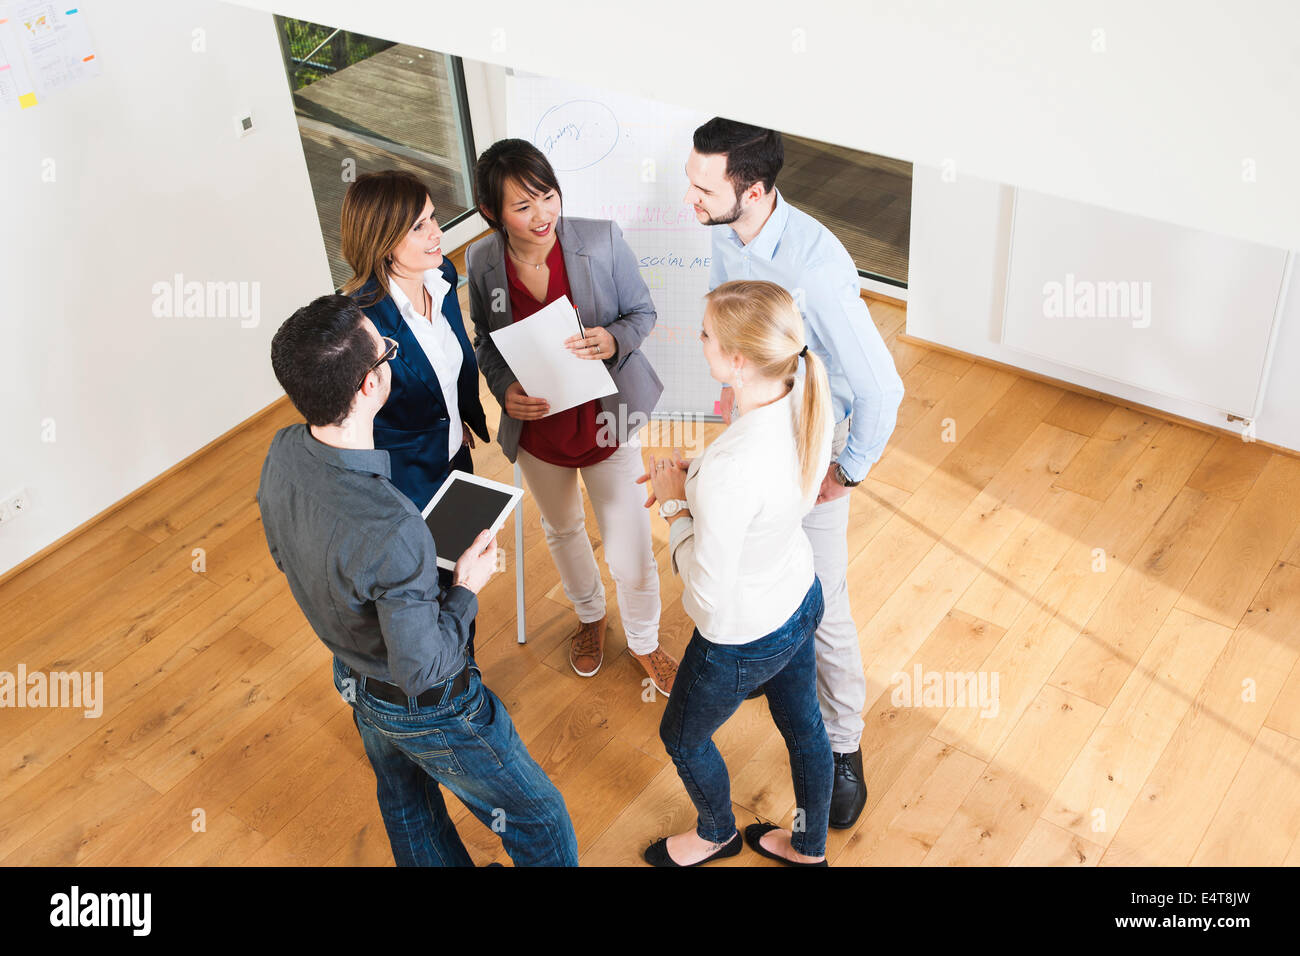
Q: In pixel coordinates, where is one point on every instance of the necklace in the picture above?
(425, 309)
(536, 265)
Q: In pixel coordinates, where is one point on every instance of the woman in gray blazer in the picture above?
(534, 257)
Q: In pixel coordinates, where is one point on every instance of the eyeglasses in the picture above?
(389, 352)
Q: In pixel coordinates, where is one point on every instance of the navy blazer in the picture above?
(413, 424)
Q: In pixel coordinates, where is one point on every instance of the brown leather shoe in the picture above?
(661, 667)
(587, 650)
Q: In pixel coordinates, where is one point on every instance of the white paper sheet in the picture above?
(55, 41)
(534, 350)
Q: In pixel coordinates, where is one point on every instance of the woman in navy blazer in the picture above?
(407, 288)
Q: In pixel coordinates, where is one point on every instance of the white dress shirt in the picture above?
(743, 557)
(440, 346)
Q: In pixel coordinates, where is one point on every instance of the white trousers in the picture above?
(841, 682)
(624, 522)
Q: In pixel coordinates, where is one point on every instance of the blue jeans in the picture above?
(712, 682)
(468, 744)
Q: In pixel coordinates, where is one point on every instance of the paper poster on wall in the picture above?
(16, 90)
(44, 46)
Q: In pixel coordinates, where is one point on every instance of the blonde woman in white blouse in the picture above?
(737, 542)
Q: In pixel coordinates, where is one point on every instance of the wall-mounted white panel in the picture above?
(1174, 311)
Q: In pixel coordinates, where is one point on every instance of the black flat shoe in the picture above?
(849, 793)
(754, 833)
(656, 854)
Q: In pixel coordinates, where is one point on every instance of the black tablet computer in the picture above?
(463, 508)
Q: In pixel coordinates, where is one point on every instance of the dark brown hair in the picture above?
(319, 354)
(754, 154)
(505, 161)
(378, 210)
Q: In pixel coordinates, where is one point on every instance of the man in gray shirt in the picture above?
(362, 565)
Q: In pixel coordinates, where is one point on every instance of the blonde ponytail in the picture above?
(760, 321)
(813, 415)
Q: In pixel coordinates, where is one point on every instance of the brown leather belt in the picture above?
(429, 698)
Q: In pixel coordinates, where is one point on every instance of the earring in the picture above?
(740, 378)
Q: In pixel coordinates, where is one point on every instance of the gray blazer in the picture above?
(606, 287)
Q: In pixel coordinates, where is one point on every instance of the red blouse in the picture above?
(567, 438)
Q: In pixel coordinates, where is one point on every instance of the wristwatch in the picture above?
(671, 507)
(843, 479)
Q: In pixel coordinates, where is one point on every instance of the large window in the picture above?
(365, 104)
(864, 199)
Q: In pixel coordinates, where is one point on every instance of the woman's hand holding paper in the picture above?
(521, 407)
(595, 343)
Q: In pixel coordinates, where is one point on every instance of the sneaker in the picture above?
(587, 650)
(661, 668)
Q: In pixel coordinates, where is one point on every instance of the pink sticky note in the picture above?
(717, 408)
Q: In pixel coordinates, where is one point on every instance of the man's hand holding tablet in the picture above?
(475, 566)
(469, 508)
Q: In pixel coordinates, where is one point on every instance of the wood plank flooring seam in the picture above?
(1218, 806)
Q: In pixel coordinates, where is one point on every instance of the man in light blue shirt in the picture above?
(758, 235)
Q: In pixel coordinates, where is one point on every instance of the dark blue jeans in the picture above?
(712, 682)
(468, 744)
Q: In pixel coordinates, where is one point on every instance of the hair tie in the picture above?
(803, 353)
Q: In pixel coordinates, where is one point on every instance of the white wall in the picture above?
(961, 232)
(1158, 124)
(1111, 103)
(150, 181)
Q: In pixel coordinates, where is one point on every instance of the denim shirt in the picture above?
(361, 562)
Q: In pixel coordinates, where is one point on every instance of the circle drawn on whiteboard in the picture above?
(577, 134)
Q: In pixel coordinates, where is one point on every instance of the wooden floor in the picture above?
(1134, 584)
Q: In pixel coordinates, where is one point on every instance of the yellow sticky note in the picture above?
(26, 100)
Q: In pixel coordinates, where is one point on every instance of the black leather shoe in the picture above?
(850, 793)
(656, 854)
(754, 833)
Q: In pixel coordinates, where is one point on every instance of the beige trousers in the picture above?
(624, 522)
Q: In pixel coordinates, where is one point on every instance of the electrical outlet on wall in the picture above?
(14, 505)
